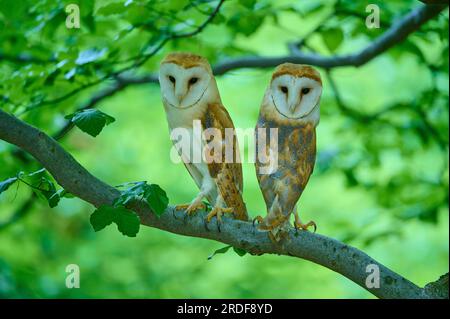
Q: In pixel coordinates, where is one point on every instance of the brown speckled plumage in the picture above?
(218, 181)
(296, 158)
(296, 153)
(228, 175)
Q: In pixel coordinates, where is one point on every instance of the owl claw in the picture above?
(218, 212)
(258, 219)
(191, 208)
(299, 225)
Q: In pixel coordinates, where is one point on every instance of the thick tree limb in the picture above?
(330, 253)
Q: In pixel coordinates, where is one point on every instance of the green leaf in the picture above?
(332, 38)
(311, 7)
(63, 193)
(174, 5)
(156, 198)
(43, 186)
(90, 121)
(130, 193)
(219, 19)
(102, 217)
(112, 8)
(246, 24)
(46, 189)
(248, 3)
(37, 176)
(126, 220)
(53, 200)
(222, 250)
(239, 251)
(7, 183)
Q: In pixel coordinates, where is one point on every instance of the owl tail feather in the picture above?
(276, 222)
(233, 198)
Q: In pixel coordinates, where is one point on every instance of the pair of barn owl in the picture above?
(290, 104)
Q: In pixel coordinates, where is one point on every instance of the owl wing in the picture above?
(295, 163)
(297, 158)
(226, 171)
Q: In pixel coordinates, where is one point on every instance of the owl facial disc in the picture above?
(183, 87)
(295, 97)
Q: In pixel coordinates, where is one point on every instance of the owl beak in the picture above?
(292, 107)
(180, 97)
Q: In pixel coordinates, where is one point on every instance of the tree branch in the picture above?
(325, 251)
(139, 60)
(395, 34)
(398, 32)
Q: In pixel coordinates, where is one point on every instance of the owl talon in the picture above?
(299, 225)
(218, 212)
(258, 219)
(190, 209)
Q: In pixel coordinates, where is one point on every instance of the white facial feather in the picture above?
(183, 88)
(295, 98)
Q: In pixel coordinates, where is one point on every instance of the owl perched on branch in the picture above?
(291, 104)
(190, 95)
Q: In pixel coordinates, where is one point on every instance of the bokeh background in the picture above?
(380, 184)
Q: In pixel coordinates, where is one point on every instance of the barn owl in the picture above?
(291, 104)
(190, 95)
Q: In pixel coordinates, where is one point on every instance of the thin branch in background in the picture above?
(64, 96)
(376, 116)
(294, 48)
(397, 33)
(408, 24)
(139, 61)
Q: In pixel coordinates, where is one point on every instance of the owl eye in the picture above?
(306, 90)
(172, 79)
(193, 80)
(284, 89)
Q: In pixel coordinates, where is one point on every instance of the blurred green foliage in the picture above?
(381, 180)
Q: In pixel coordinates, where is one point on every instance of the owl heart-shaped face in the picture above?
(183, 87)
(295, 97)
